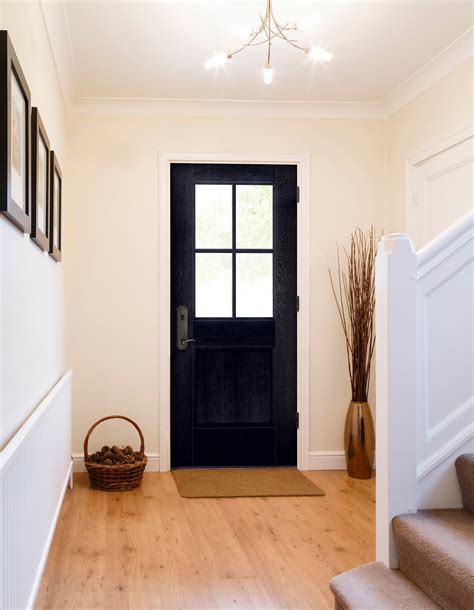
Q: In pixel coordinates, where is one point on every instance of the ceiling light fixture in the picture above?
(269, 30)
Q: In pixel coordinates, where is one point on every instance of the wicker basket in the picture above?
(115, 477)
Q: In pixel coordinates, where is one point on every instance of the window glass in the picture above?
(254, 285)
(254, 216)
(213, 285)
(213, 216)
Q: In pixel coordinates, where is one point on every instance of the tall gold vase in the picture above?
(359, 440)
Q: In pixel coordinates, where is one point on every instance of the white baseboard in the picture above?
(45, 553)
(318, 460)
(152, 466)
(327, 460)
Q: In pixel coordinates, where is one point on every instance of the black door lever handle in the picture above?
(182, 340)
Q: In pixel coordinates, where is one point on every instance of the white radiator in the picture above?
(35, 468)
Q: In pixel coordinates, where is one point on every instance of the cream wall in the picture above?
(111, 240)
(439, 112)
(31, 283)
(112, 237)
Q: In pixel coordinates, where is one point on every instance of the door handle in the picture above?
(182, 317)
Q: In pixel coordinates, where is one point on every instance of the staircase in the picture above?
(435, 551)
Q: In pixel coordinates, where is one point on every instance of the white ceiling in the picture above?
(151, 50)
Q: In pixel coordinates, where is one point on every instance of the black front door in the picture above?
(233, 315)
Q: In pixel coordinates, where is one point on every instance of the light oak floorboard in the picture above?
(150, 548)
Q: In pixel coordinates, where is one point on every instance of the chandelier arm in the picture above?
(250, 42)
(268, 32)
(257, 44)
(270, 28)
(282, 35)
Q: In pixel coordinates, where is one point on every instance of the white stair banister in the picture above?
(396, 387)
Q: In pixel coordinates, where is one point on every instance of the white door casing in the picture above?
(164, 282)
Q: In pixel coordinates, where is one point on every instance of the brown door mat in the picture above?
(244, 482)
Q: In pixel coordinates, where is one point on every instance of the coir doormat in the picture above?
(244, 482)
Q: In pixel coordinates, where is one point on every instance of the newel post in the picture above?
(396, 387)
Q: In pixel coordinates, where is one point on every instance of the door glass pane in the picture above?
(213, 216)
(213, 285)
(254, 285)
(254, 216)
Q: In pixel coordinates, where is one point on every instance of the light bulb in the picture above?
(305, 23)
(320, 54)
(217, 60)
(267, 74)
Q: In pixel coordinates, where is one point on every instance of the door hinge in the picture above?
(297, 304)
(297, 420)
(297, 194)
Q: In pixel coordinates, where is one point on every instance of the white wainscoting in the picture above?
(445, 412)
(439, 186)
(425, 363)
(35, 468)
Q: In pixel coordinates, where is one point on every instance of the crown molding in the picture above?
(57, 27)
(226, 108)
(450, 58)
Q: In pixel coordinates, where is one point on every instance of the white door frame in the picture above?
(302, 163)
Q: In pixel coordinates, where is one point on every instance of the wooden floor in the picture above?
(150, 548)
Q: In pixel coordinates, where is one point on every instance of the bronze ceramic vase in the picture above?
(359, 440)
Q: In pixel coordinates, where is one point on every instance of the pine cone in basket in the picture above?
(116, 455)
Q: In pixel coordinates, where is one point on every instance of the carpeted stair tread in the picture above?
(375, 587)
(465, 472)
(436, 552)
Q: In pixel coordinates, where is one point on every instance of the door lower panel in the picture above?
(234, 447)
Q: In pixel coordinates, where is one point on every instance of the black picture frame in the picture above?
(40, 220)
(15, 148)
(55, 207)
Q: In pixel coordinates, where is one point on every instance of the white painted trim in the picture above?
(444, 452)
(453, 140)
(455, 54)
(445, 244)
(411, 164)
(52, 529)
(302, 163)
(450, 58)
(57, 27)
(396, 387)
(15, 444)
(327, 460)
(226, 108)
(466, 406)
(153, 464)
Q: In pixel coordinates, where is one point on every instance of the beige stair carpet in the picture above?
(436, 552)
(375, 587)
(244, 482)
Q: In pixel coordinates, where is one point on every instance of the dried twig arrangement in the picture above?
(354, 291)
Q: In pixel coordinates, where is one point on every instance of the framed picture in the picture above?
(15, 112)
(55, 207)
(40, 174)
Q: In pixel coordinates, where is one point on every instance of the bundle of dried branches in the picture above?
(354, 291)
